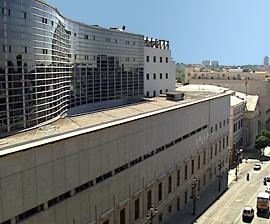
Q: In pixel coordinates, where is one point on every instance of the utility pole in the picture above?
(194, 194)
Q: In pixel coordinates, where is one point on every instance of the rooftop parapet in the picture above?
(155, 43)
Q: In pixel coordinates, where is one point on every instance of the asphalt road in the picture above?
(228, 208)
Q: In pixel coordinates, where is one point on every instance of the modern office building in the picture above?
(159, 68)
(249, 83)
(214, 64)
(110, 166)
(51, 66)
(206, 63)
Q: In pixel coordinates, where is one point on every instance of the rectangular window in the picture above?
(220, 125)
(160, 75)
(223, 143)
(192, 166)
(170, 208)
(160, 218)
(154, 93)
(166, 59)
(178, 204)
(45, 51)
(147, 93)
(75, 34)
(149, 199)
(137, 209)
(186, 172)
(9, 12)
(199, 162)
(154, 58)
(154, 76)
(85, 36)
(216, 149)
(9, 48)
(227, 140)
(211, 153)
(166, 75)
(204, 177)
(224, 122)
(24, 15)
(178, 178)
(166, 90)
(3, 11)
(204, 156)
(4, 48)
(216, 127)
(122, 216)
(147, 76)
(219, 145)
(211, 129)
(25, 50)
(52, 23)
(160, 91)
(147, 58)
(160, 59)
(94, 37)
(169, 184)
(160, 191)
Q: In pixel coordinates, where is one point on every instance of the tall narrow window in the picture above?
(24, 15)
(178, 204)
(169, 184)
(178, 178)
(25, 50)
(154, 93)
(166, 59)
(154, 76)
(186, 171)
(9, 48)
(204, 156)
(192, 166)
(85, 36)
(199, 162)
(122, 216)
(160, 75)
(149, 199)
(4, 48)
(166, 75)
(9, 12)
(154, 58)
(160, 191)
(211, 152)
(137, 209)
(147, 76)
(160, 59)
(215, 149)
(147, 58)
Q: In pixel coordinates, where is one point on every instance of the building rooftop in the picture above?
(72, 126)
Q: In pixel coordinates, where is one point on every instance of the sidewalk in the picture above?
(207, 198)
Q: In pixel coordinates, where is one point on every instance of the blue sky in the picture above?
(234, 32)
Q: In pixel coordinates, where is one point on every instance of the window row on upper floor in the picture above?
(155, 59)
(219, 125)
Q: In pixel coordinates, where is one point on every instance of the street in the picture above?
(228, 208)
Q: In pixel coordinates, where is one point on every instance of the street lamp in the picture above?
(151, 214)
(220, 165)
(194, 193)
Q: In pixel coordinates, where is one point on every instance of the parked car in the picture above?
(257, 166)
(247, 213)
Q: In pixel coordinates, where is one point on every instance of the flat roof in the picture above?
(73, 126)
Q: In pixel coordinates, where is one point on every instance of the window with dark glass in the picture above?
(4, 48)
(160, 91)
(160, 75)
(137, 209)
(3, 11)
(75, 34)
(166, 75)
(160, 191)
(149, 199)
(24, 15)
(154, 93)
(170, 208)
(154, 76)
(160, 59)
(85, 36)
(122, 216)
(147, 93)
(199, 162)
(178, 204)
(52, 23)
(94, 37)
(166, 90)
(106, 222)
(192, 166)
(9, 12)
(147, 76)
(219, 145)
(9, 48)
(25, 50)
(154, 58)
(186, 171)
(160, 217)
(169, 184)
(211, 152)
(166, 59)
(178, 178)
(216, 149)
(204, 156)
(147, 58)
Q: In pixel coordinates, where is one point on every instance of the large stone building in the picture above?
(159, 68)
(111, 166)
(51, 65)
(250, 83)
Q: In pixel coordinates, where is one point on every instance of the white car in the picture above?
(257, 166)
(247, 213)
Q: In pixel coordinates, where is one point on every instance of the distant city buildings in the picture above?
(266, 63)
(159, 68)
(250, 83)
(213, 64)
(206, 63)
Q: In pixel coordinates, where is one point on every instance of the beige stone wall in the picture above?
(49, 176)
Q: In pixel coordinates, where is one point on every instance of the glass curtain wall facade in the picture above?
(50, 65)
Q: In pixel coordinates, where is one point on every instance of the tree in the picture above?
(262, 141)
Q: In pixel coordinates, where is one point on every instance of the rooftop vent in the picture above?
(175, 96)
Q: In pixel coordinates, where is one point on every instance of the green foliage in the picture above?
(262, 140)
